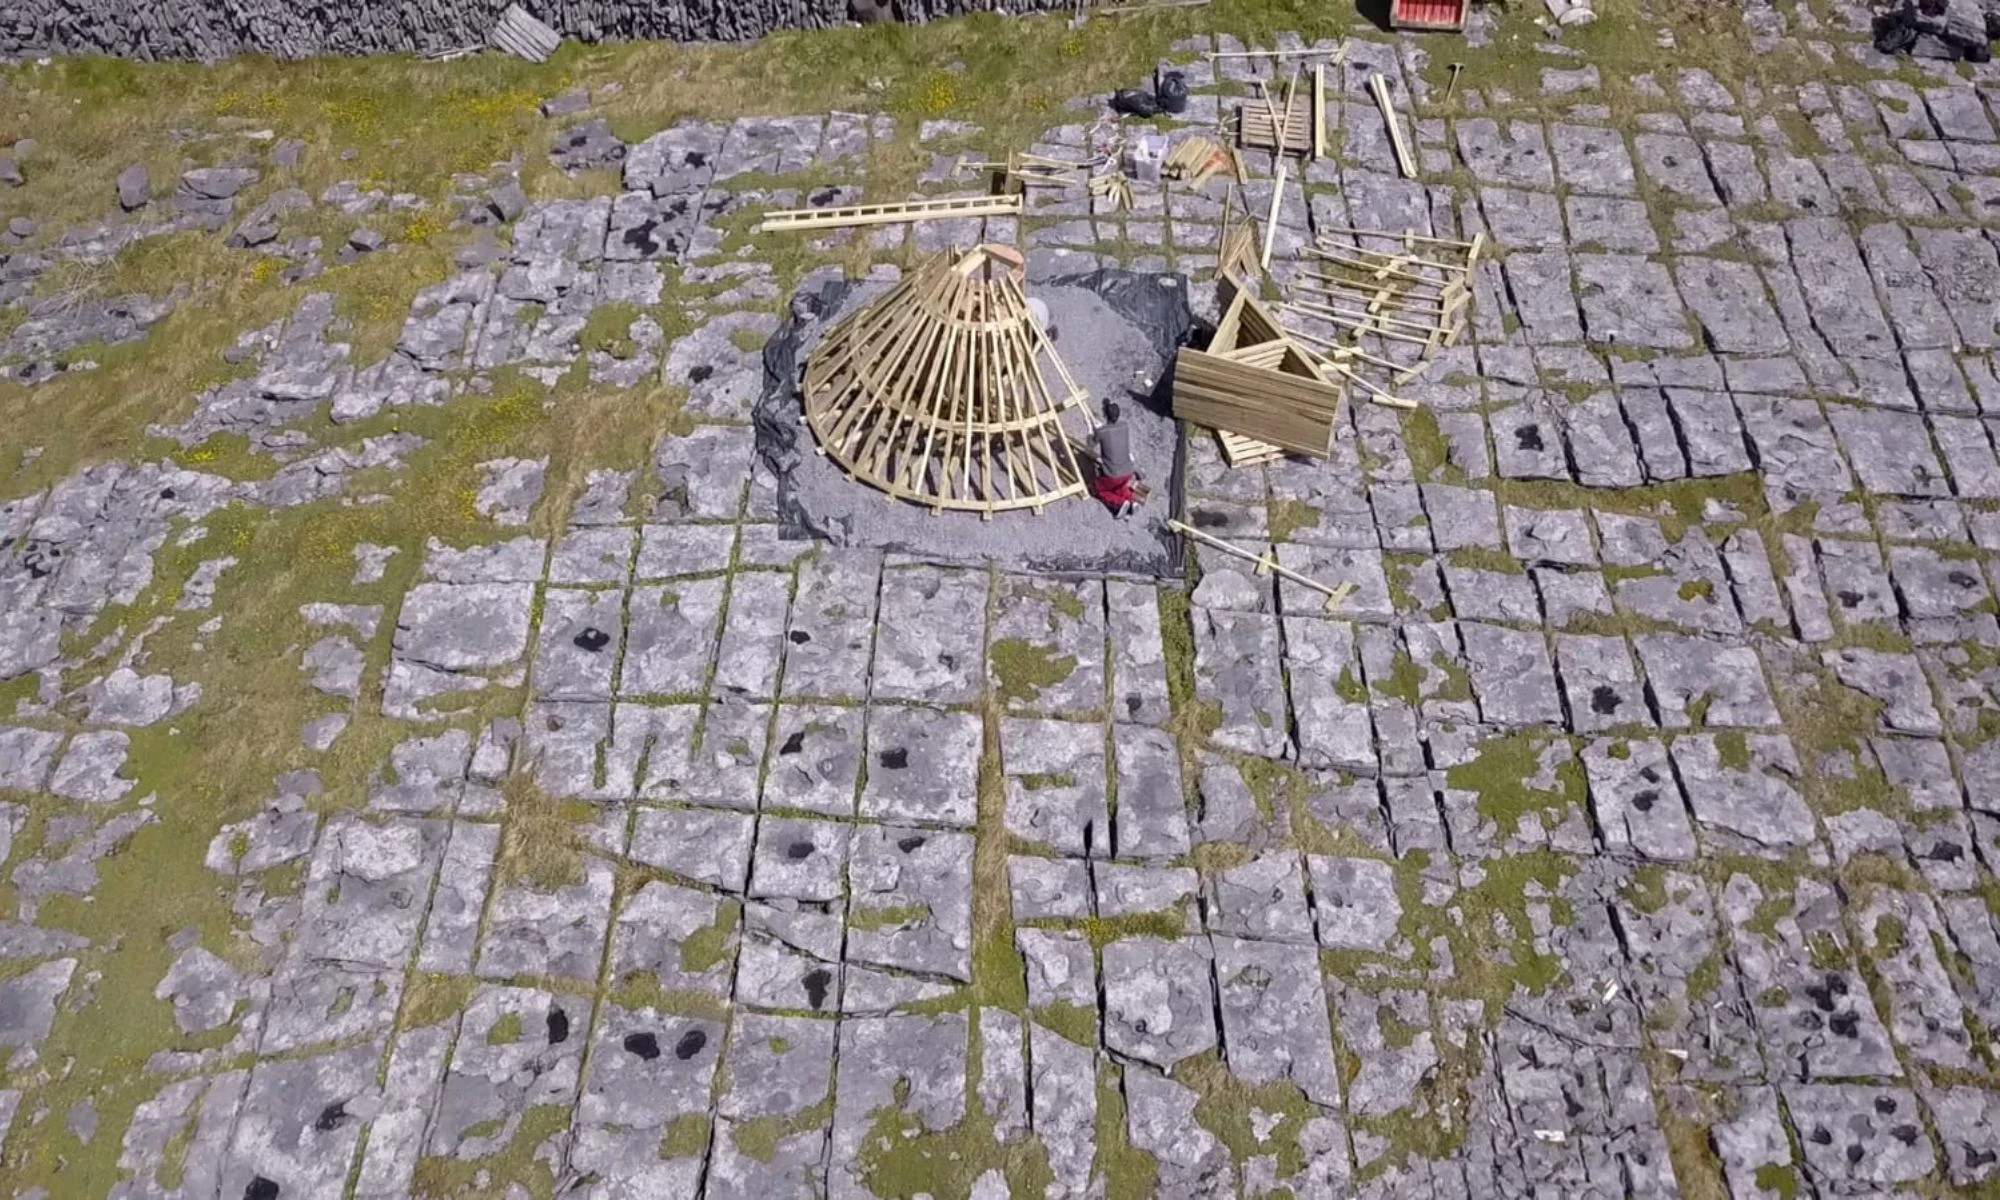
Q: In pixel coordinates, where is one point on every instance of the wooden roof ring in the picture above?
(936, 393)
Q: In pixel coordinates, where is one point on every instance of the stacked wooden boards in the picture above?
(935, 393)
(1254, 381)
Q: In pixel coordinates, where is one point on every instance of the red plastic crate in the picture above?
(1428, 14)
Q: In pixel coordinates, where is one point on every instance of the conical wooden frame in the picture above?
(935, 393)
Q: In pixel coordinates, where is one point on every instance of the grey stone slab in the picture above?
(1630, 301)
(596, 555)
(832, 634)
(1517, 154)
(460, 898)
(1061, 967)
(1743, 793)
(1492, 596)
(1603, 224)
(1637, 799)
(702, 474)
(1048, 888)
(1138, 653)
(1593, 160)
(518, 1048)
(800, 859)
(912, 1064)
(1237, 669)
(1391, 1069)
(1152, 809)
(1274, 1017)
(1711, 432)
(1560, 536)
(910, 901)
(578, 643)
(1046, 652)
(1064, 1081)
(1264, 899)
(557, 933)
(464, 626)
(1600, 443)
(1331, 710)
(294, 1129)
(922, 765)
(1837, 287)
(1968, 451)
(932, 629)
(1901, 933)
(1157, 1003)
(1796, 449)
(1729, 300)
(1965, 1118)
(1462, 518)
(1601, 685)
(704, 845)
(1858, 1138)
(753, 633)
(683, 939)
(1511, 675)
(1919, 317)
(1544, 296)
(816, 763)
(1527, 440)
(1683, 672)
(666, 551)
(1891, 451)
(1676, 167)
(670, 638)
(1965, 271)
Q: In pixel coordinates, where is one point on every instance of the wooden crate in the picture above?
(1446, 15)
(1255, 382)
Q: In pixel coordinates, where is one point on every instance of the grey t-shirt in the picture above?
(1114, 448)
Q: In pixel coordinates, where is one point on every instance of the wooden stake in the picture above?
(1267, 564)
(1405, 235)
(1405, 160)
(1271, 222)
(1319, 111)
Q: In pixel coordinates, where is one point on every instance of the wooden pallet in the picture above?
(783, 220)
(1240, 451)
(1256, 130)
(523, 36)
(935, 393)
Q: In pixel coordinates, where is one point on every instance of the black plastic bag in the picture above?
(1135, 102)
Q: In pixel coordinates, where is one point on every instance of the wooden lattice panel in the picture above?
(936, 392)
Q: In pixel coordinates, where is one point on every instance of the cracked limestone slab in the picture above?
(1630, 301)
(752, 645)
(464, 876)
(579, 643)
(460, 627)
(1152, 808)
(1637, 799)
(295, 1128)
(932, 628)
(1046, 651)
(910, 901)
(670, 638)
(684, 939)
(1054, 775)
(1274, 1018)
(557, 932)
(1237, 670)
(831, 637)
(1138, 653)
(702, 844)
(518, 1049)
(1744, 791)
(1726, 683)
(816, 763)
(1511, 675)
(1334, 727)
(778, 1069)
(1157, 1006)
(914, 1065)
(922, 765)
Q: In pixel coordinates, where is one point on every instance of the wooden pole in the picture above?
(1267, 564)
(1271, 222)
(1319, 111)
(1405, 160)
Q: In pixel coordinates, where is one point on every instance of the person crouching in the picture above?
(1116, 472)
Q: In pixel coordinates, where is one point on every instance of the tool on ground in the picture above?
(1452, 86)
(1267, 564)
(1271, 221)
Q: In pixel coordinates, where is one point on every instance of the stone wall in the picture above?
(291, 29)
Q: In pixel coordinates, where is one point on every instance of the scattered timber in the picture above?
(785, 220)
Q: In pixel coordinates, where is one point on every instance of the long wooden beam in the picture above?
(1267, 563)
(782, 220)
